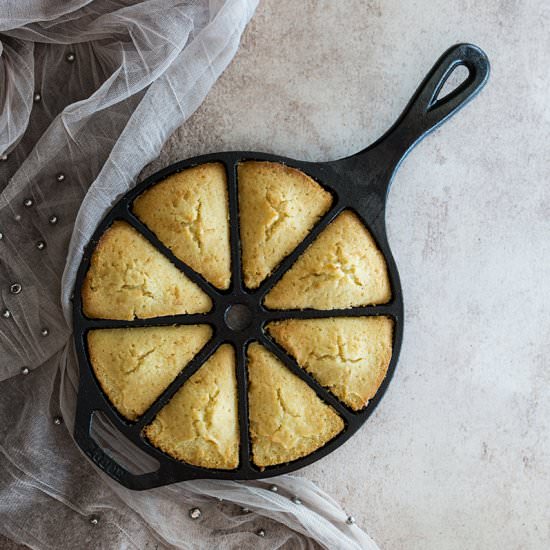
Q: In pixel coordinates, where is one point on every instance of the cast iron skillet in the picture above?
(359, 182)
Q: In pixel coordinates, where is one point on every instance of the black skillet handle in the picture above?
(103, 461)
(425, 111)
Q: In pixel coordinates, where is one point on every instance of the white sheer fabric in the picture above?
(89, 92)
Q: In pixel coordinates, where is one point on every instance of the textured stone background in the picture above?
(458, 453)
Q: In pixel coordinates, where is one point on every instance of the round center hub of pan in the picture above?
(238, 317)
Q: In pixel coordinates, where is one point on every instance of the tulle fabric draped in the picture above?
(89, 93)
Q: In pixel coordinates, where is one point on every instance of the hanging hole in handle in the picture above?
(119, 448)
(453, 83)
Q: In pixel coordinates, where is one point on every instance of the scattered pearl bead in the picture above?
(350, 520)
(195, 513)
(15, 288)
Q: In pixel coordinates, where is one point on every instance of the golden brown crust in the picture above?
(200, 424)
(287, 419)
(348, 355)
(278, 206)
(135, 365)
(189, 213)
(342, 268)
(129, 278)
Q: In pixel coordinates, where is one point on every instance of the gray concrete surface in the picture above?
(457, 455)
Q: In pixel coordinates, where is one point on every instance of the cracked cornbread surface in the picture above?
(128, 278)
(278, 206)
(189, 213)
(200, 423)
(135, 365)
(342, 268)
(287, 419)
(350, 356)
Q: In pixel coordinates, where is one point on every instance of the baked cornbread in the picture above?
(188, 212)
(128, 278)
(135, 365)
(200, 424)
(348, 355)
(287, 419)
(342, 268)
(278, 206)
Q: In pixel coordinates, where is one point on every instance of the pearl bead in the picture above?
(260, 532)
(53, 219)
(28, 203)
(40, 245)
(94, 520)
(37, 97)
(60, 176)
(273, 488)
(6, 314)
(45, 331)
(350, 520)
(25, 370)
(15, 288)
(195, 513)
(58, 421)
(296, 500)
(70, 57)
